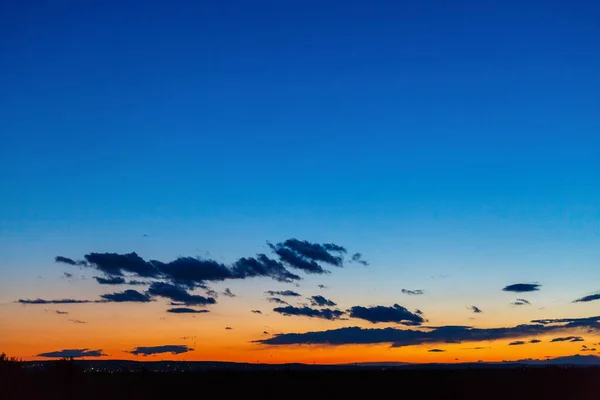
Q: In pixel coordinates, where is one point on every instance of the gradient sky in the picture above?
(456, 145)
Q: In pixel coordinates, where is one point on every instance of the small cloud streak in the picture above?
(567, 339)
(168, 348)
(324, 313)
(416, 292)
(185, 310)
(59, 301)
(585, 299)
(130, 295)
(522, 287)
(75, 353)
(289, 293)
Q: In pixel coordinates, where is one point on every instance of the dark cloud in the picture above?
(567, 339)
(436, 351)
(516, 343)
(185, 310)
(589, 322)
(534, 341)
(111, 280)
(261, 265)
(169, 348)
(294, 260)
(416, 292)
(316, 252)
(113, 264)
(277, 300)
(521, 302)
(522, 287)
(325, 313)
(289, 293)
(67, 260)
(475, 309)
(75, 353)
(212, 293)
(306, 256)
(256, 311)
(192, 272)
(585, 348)
(178, 294)
(585, 299)
(129, 295)
(77, 321)
(320, 301)
(396, 313)
(228, 293)
(137, 283)
(357, 258)
(59, 301)
(430, 335)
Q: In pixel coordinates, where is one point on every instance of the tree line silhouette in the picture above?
(64, 379)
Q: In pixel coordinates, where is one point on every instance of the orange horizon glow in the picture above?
(37, 331)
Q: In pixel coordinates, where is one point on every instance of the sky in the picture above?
(454, 146)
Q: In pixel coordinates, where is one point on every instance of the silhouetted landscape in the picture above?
(70, 379)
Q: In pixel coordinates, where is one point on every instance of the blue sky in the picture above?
(459, 139)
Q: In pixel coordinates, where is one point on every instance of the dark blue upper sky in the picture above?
(219, 121)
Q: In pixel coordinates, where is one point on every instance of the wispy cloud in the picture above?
(567, 339)
(111, 280)
(228, 293)
(357, 258)
(289, 293)
(416, 292)
(57, 301)
(276, 300)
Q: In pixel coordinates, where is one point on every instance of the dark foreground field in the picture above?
(529, 383)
